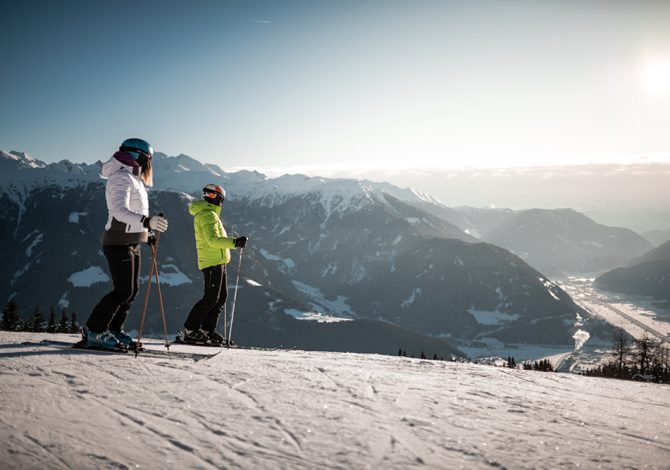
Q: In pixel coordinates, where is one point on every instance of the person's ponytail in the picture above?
(147, 173)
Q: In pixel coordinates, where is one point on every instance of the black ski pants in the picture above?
(112, 310)
(205, 313)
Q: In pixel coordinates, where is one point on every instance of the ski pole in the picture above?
(146, 296)
(160, 301)
(232, 313)
(225, 306)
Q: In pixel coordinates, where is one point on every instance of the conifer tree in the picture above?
(36, 321)
(63, 324)
(51, 326)
(11, 318)
(74, 325)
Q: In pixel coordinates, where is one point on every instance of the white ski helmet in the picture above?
(213, 193)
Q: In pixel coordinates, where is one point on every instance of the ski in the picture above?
(224, 344)
(82, 345)
(144, 351)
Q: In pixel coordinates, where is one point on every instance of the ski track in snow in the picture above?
(66, 408)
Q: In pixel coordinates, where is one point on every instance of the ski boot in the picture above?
(104, 340)
(123, 338)
(197, 337)
(215, 338)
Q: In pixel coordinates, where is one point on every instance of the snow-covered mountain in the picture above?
(65, 408)
(322, 249)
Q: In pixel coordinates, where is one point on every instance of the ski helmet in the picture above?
(214, 194)
(137, 147)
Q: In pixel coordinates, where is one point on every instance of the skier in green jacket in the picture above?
(213, 246)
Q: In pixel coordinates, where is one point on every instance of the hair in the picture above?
(147, 173)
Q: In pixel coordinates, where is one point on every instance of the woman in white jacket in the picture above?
(128, 223)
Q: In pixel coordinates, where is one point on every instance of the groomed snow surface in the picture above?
(253, 409)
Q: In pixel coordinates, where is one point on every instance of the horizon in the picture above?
(631, 195)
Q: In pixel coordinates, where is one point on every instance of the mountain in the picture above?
(563, 242)
(324, 249)
(249, 409)
(648, 275)
(657, 237)
(56, 260)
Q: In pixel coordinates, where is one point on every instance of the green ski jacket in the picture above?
(211, 241)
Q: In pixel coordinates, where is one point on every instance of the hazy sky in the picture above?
(339, 84)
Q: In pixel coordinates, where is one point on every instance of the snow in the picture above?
(313, 316)
(487, 317)
(410, 300)
(330, 269)
(88, 277)
(73, 218)
(550, 287)
(593, 243)
(320, 302)
(287, 262)
(251, 409)
(168, 274)
(36, 241)
(24, 269)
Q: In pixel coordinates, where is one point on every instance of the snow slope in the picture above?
(64, 408)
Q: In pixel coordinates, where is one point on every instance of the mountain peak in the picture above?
(22, 159)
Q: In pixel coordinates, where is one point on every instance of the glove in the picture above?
(240, 242)
(157, 223)
(151, 241)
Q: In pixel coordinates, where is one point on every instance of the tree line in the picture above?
(12, 320)
(636, 359)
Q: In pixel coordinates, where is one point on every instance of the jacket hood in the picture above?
(199, 206)
(120, 161)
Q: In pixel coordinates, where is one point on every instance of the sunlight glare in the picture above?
(656, 76)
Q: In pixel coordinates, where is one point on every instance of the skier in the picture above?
(213, 247)
(128, 223)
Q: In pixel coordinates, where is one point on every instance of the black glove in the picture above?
(240, 242)
(151, 241)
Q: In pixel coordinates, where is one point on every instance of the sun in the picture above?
(656, 76)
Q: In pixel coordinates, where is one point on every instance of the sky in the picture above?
(337, 86)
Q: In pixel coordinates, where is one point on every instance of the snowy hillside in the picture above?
(64, 408)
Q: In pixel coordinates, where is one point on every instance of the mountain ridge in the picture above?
(334, 244)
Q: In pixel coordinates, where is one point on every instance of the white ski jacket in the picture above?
(127, 204)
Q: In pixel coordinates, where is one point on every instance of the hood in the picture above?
(199, 206)
(120, 161)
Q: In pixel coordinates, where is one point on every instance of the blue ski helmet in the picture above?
(137, 147)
